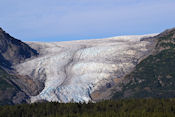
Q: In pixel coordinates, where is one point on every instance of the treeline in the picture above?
(121, 108)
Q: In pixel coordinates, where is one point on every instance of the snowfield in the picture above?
(72, 70)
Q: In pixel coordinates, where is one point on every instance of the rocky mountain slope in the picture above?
(152, 77)
(13, 87)
(10, 93)
(13, 51)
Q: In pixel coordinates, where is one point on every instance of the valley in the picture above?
(71, 71)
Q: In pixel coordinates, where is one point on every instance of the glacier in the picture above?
(72, 70)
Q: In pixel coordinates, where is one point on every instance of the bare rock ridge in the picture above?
(13, 51)
(14, 88)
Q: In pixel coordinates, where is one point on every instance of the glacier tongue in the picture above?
(71, 71)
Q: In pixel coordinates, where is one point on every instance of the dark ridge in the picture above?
(13, 51)
(14, 89)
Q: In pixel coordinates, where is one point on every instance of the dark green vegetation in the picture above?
(122, 108)
(155, 75)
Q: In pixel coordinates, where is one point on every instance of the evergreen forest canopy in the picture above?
(110, 108)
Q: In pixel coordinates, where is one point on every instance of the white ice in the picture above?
(72, 70)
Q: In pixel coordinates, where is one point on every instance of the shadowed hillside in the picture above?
(155, 75)
(10, 93)
(14, 89)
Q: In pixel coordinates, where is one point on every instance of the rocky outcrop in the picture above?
(13, 51)
(10, 93)
(14, 88)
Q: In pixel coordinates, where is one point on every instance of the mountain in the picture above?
(14, 88)
(139, 66)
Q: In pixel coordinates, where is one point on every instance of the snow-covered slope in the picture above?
(72, 70)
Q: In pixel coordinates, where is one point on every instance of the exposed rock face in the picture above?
(14, 89)
(13, 51)
(71, 71)
(10, 93)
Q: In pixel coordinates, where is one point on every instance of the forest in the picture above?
(111, 108)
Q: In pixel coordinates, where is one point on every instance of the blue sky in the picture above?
(63, 20)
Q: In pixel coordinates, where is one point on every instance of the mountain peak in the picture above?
(1, 31)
